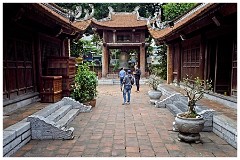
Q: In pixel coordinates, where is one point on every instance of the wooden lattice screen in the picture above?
(190, 61)
(18, 76)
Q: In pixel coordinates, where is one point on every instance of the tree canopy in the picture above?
(173, 10)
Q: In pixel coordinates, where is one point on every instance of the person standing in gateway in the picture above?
(137, 75)
(122, 74)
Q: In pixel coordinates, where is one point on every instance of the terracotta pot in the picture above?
(91, 102)
(189, 128)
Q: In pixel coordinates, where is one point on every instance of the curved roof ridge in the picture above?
(56, 12)
(191, 12)
(186, 18)
(122, 19)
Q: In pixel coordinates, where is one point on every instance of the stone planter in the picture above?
(154, 95)
(189, 128)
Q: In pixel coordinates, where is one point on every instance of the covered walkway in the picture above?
(135, 130)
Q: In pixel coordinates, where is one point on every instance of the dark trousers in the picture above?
(137, 83)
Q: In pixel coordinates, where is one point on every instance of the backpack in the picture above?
(132, 80)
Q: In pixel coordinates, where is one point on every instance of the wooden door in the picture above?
(18, 68)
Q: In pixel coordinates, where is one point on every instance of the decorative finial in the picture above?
(78, 12)
(92, 13)
(86, 11)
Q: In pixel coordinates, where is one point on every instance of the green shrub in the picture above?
(85, 87)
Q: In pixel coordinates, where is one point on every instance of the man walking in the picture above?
(122, 74)
(137, 75)
(128, 81)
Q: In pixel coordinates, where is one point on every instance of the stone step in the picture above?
(173, 109)
(58, 114)
(184, 100)
(116, 82)
(65, 120)
(49, 109)
(181, 106)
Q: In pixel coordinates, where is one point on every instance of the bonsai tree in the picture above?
(85, 88)
(154, 81)
(194, 91)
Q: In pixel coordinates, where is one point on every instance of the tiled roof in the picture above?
(82, 25)
(78, 25)
(122, 20)
(160, 34)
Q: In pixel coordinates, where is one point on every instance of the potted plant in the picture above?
(190, 123)
(85, 88)
(153, 83)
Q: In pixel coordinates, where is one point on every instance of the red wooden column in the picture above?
(142, 60)
(66, 47)
(202, 57)
(104, 61)
(169, 64)
(179, 63)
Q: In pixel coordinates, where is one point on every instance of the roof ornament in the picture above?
(71, 16)
(111, 10)
(156, 22)
(109, 17)
(78, 12)
(92, 13)
(75, 15)
(148, 22)
(86, 11)
(135, 11)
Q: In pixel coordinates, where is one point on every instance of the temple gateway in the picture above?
(125, 31)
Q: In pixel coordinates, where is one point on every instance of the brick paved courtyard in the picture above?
(135, 130)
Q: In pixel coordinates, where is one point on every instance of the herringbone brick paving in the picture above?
(135, 130)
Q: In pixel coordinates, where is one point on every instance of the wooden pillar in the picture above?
(169, 64)
(202, 57)
(104, 61)
(39, 64)
(179, 63)
(114, 36)
(142, 59)
(66, 47)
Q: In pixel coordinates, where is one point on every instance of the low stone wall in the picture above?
(225, 128)
(16, 136)
(21, 102)
(105, 81)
